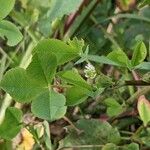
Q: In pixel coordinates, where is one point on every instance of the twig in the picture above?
(72, 17)
(143, 91)
(133, 137)
(140, 91)
(137, 83)
(70, 122)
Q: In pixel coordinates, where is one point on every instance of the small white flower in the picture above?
(90, 71)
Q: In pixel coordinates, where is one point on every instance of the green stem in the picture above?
(127, 132)
(6, 103)
(127, 76)
(81, 146)
(135, 135)
(2, 66)
(126, 138)
(128, 16)
(32, 35)
(47, 136)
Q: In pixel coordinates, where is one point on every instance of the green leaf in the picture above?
(63, 52)
(102, 60)
(144, 110)
(144, 136)
(119, 57)
(95, 132)
(43, 67)
(11, 124)
(6, 7)
(74, 78)
(22, 18)
(11, 32)
(83, 56)
(139, 54)
(132, 146)
(47, 136)
(75, 43)
(49, 106)
(57, 11)
(61, 8)
(146, 77)
(143, 66)
(113, 107)
(76, 95)
(17, 83)
(103, 80)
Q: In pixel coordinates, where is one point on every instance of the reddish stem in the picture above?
(73, 16)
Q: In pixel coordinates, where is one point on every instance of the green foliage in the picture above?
(94, 132)
(143, 66)
(72, 77)
(143, 136)
(76, 95)
(34, 83)
(146, 77)
(75, 43)
(65, 7)
(11, 32)
(103, 81)
(43, 67)
(113, 107)
(20, 86)
(6, 7)
(140, 52)
(62, 51)
(119, 57)
(102, 59)
(11, 124)
(57, 11)
(49, 105)
(8, 29)
(101, 78)
(132, 146)
(47, 135)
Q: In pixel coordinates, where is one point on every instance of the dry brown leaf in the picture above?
(27, 140)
